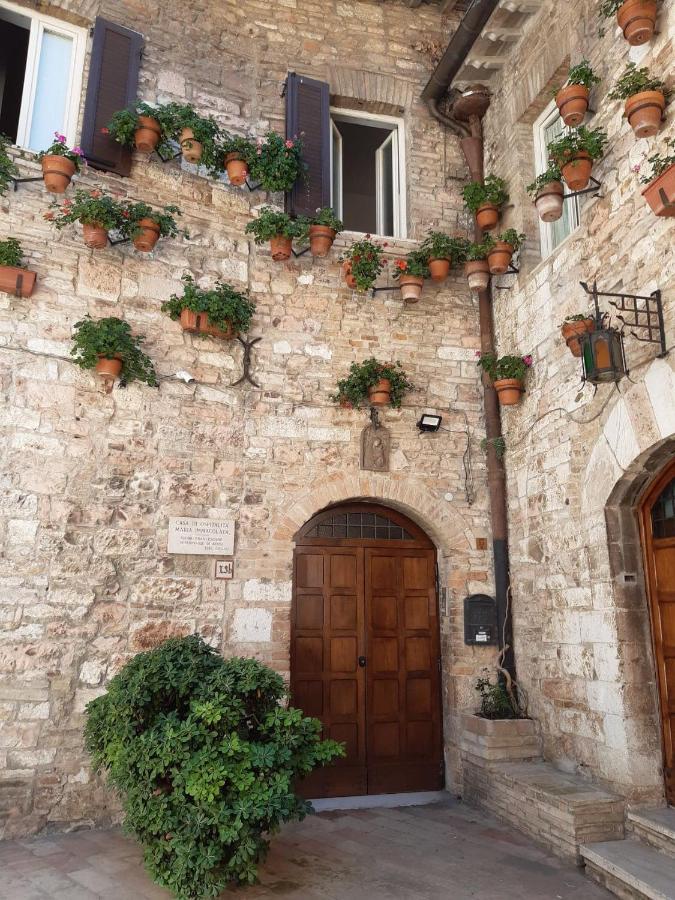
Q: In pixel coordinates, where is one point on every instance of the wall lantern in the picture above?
(602, 350)
(429, 422)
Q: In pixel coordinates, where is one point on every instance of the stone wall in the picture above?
(581, 627)
(89, 479)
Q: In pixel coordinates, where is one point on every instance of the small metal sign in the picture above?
(224, 569)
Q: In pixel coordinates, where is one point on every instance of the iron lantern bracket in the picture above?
(635, 311)
(594, 189)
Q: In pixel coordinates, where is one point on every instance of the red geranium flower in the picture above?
(105, 131)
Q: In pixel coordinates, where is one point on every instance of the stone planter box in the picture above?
(487, 741)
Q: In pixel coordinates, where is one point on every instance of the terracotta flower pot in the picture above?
(321, 239)
(189, 320)
(572, 332)
(509, 390)
(487, 216)
(577, 171)
(17, 281)
(108, 368)
(95, 236)
(644, 112)
(347, 274)
(192, 149)
(439, 268)
(411, 287)
(199, 323)
(637, 20)
(379, 394)
(346, 404)
(236, 168)
(148, 236)
(572, 101)
(499, 258)
(224, 334)
(281, 247)
(57, 172)
(477, 272)
(549, 201)
(660, 193)
(148, 134)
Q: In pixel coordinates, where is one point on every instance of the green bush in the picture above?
(277, 163)
(500, 367)
(111, 338)
(492, 190)
(354, 388)
(11, 253)
(635, 81)
(495, 702)
(583, 74)
(204, 756)
(438, 245)
(575, 141)
(551, 175)
(271, 223)
(477, 251)
(366, 259)
(223, 304)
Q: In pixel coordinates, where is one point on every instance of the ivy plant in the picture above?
(582, 74)
(354, 388)
(11, 253)
(223, 304)
(365, 258)
(493, 190)
(578, 140)
(204, 754)
(8, 169)
(500, 367)
(271, 223)
(111, 338)
(636, 81)
(416, 263)
(550, 176)
(277, 163)
(89, 207)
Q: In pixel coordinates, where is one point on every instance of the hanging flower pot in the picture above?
(236, 168)
(95, 235)
(499, 258)
(57, 172)
(572, 101)
(350, 281)
(189, 320)
(573, 330)
(644, 112)
(660, 193)
(147, 134)
(411, 287)
(192, 149)
(477, 272)
(576, 170)
(487, 216)
(509, 390)
(637, 20)
(281, 247)
(439, 269)
(321, 239)
(147, 235)
(379, 394)
(549, 201)
(108, 368)
(232, 309)
(16, 280)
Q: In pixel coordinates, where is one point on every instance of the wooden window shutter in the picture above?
(308, 117)
(113, 84)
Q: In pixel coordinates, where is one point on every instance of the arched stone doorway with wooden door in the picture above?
(365, 649)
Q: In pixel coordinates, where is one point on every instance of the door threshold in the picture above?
(380, 801)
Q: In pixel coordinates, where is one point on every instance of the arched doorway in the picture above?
(365, 649)
(657, 522)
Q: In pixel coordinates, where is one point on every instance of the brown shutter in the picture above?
(308, 117)
(113, 84)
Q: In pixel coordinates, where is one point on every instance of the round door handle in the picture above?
(362, 661)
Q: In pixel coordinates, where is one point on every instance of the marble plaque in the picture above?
(208, 537)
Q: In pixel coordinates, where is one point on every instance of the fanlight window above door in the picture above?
(663, 513)
(358, 525)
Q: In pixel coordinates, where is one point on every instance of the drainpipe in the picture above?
(473, 104)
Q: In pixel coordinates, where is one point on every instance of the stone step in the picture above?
(655, 827)
(630, 869)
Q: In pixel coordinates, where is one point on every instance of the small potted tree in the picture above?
(572, 98)
(142, 126)
(222, 311)
(362, 264)
(279, 229)
(237, 153)
(59, 164)
(485, 200)
(502, 250)
(410, 273)
(108, 347)
(8, 169)
(660, 190)
(547, 192)
(507, 374)
(574, 328)
(441, 251)
(636, 18)
(645, 99)
(97, 212)
(575, 152)
(15, 278)
(476, 266)
(145, 225)
(277, 163)
(322, 229)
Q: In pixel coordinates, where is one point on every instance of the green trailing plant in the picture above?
(659, 163)
(551, 175)
(366, 260)
(416, 263)
(578, 317)
(122, 126)
(478, 251)
(609, 8)
(498, 368)
(326, 217)
(438, 245)
(498, 444)
(8, 169)
(277, 162)
(223, 304)
(111, 338)
(89, 207)
(11, 253)
(176, 116)
(204, 753)
(578, 140)
(513, 238)
(243, 147)
(582, 74)
(492, 190)
(132, 213)
(495, 701)
(271, 223)
(636, 81)
(365, 375)
(59, 147)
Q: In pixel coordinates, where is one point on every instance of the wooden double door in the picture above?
(365, 650)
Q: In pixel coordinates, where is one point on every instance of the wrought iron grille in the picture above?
(359, 525)
(663, 513)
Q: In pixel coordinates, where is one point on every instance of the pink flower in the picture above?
(61, 138)
(78, 151)
(105, 131)
(635, 168)
(527, 360)
(289, 145)
(478, 354)
(259, 151)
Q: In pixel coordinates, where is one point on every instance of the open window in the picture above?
(41, 64)
(547, 128)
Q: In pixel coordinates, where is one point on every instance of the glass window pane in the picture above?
(387, 187)
(51, 92)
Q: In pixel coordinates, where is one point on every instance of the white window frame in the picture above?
(39, 23)
(541, 163)
(359, 117)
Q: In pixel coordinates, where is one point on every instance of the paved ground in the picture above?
(417, 853)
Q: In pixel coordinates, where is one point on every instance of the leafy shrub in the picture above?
(132, 213)
(271, 223)
(551, 175)
(8, 169)
(583, 74)
(576, 141)
(492, 190)
(204, 756)
(512, 237)
(122, 127)
(365, 259)
(364, 375)
(89, 208)
(277, 163)
(438, 245)
(635, 81)
(416, 263)
(111, 338)
(11, 253)
(59, 147)
(223, 304)
(499, 367)
(176, 116)
(495, 702)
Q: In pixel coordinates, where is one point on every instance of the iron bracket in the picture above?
(168, 159)
(644, 313)
(246, 362)
(252, 187)
(298, 253)
(19, 285)
(667, 202)
(118, 241)
(595, 190)
(18, 181)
